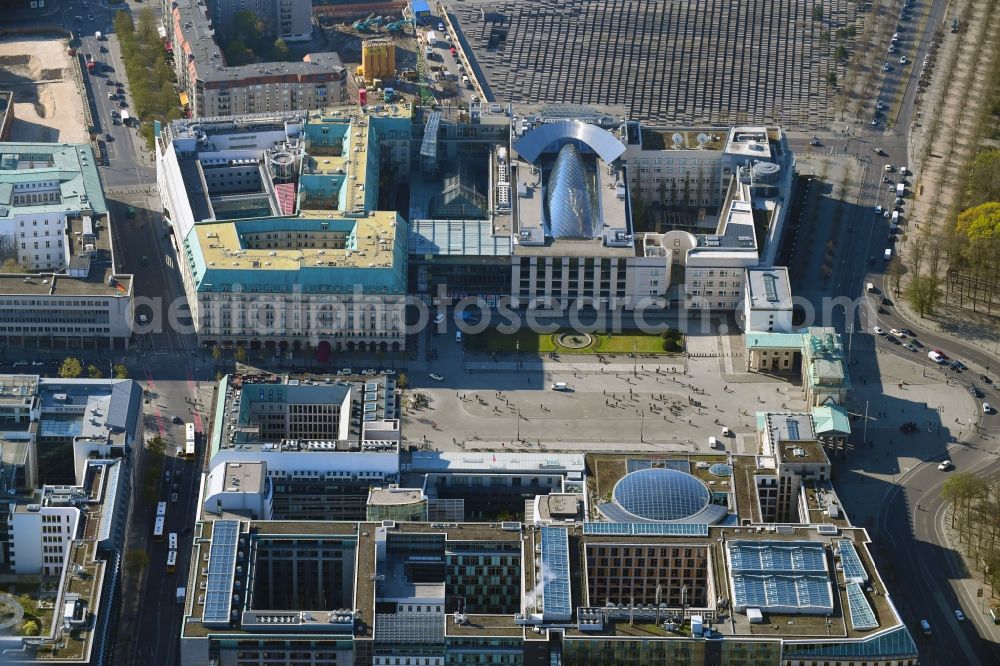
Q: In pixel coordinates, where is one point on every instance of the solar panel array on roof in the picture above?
(662, 529)
(782, 576)
(862, 615)
(556, 600)
(854, 570)
(221, 567)
(768, 556)
(783, 593)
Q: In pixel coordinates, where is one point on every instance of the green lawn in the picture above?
(527, 341)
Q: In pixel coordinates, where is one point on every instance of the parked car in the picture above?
(945, 465)
(976, 391)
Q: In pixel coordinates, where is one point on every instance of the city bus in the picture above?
(161, 509)
(172, 541)
(189, 441)
(158, 528)
(172, 561)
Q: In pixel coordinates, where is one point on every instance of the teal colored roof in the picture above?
(893, 644)
(774, 340)
(72, 165)
(831, 419)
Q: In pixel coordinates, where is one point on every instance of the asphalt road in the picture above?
(929, 578)
(912, 521)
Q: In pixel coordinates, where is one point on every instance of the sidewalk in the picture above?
(965, 326)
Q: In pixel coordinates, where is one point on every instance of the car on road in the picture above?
(90, 17)
(945, 465)
(108, 137)
(103, 49)
(903, 60)
(343, 372)
(910, 347)
(908, 332)
(940, 353)
(878, 151)
(177, 420)
(436, 377)
(439, 318)
(916, 343)
(368, 371)
(122, 103)
(144, 261)
(560, 386)
(886, 300)
(166, 476)
(959, 615)
(18, 364)
(987, 409)
(112, 95)
(958, 366)
(898, 333)
(815, 142)
(878, 210)
(888, 168)
(936, 357)
(985, 379)
(173, 497)
(976, 391)
(925, 627)
(886, 67)
(893, 339)
(879, 330)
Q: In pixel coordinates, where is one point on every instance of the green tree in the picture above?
(961, 489)
(831, 78)
(136, 560)
(71, 368)
(984, 177)
(402, 381)
(94, 372)
(924, 293)
(237, 53)
(895, 271)
(817, 12)
(216, 353)
(156, 444)
(840, 53)
(121, 372)
(279, 51)
(30, 628)
(240, 355)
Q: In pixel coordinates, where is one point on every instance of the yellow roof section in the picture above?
(375, 237)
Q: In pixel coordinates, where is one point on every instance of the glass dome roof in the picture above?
(661, 494)
(570, 213)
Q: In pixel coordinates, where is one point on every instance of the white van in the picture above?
(888, 253)
(713, 443)
(560, 386)
(726, 432)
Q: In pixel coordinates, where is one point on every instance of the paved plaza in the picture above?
(714, 62)
(670, 403)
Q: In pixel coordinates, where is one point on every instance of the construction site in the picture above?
(43, 79)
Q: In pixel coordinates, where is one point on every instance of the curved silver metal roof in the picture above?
(570, 212)
(604, 143)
